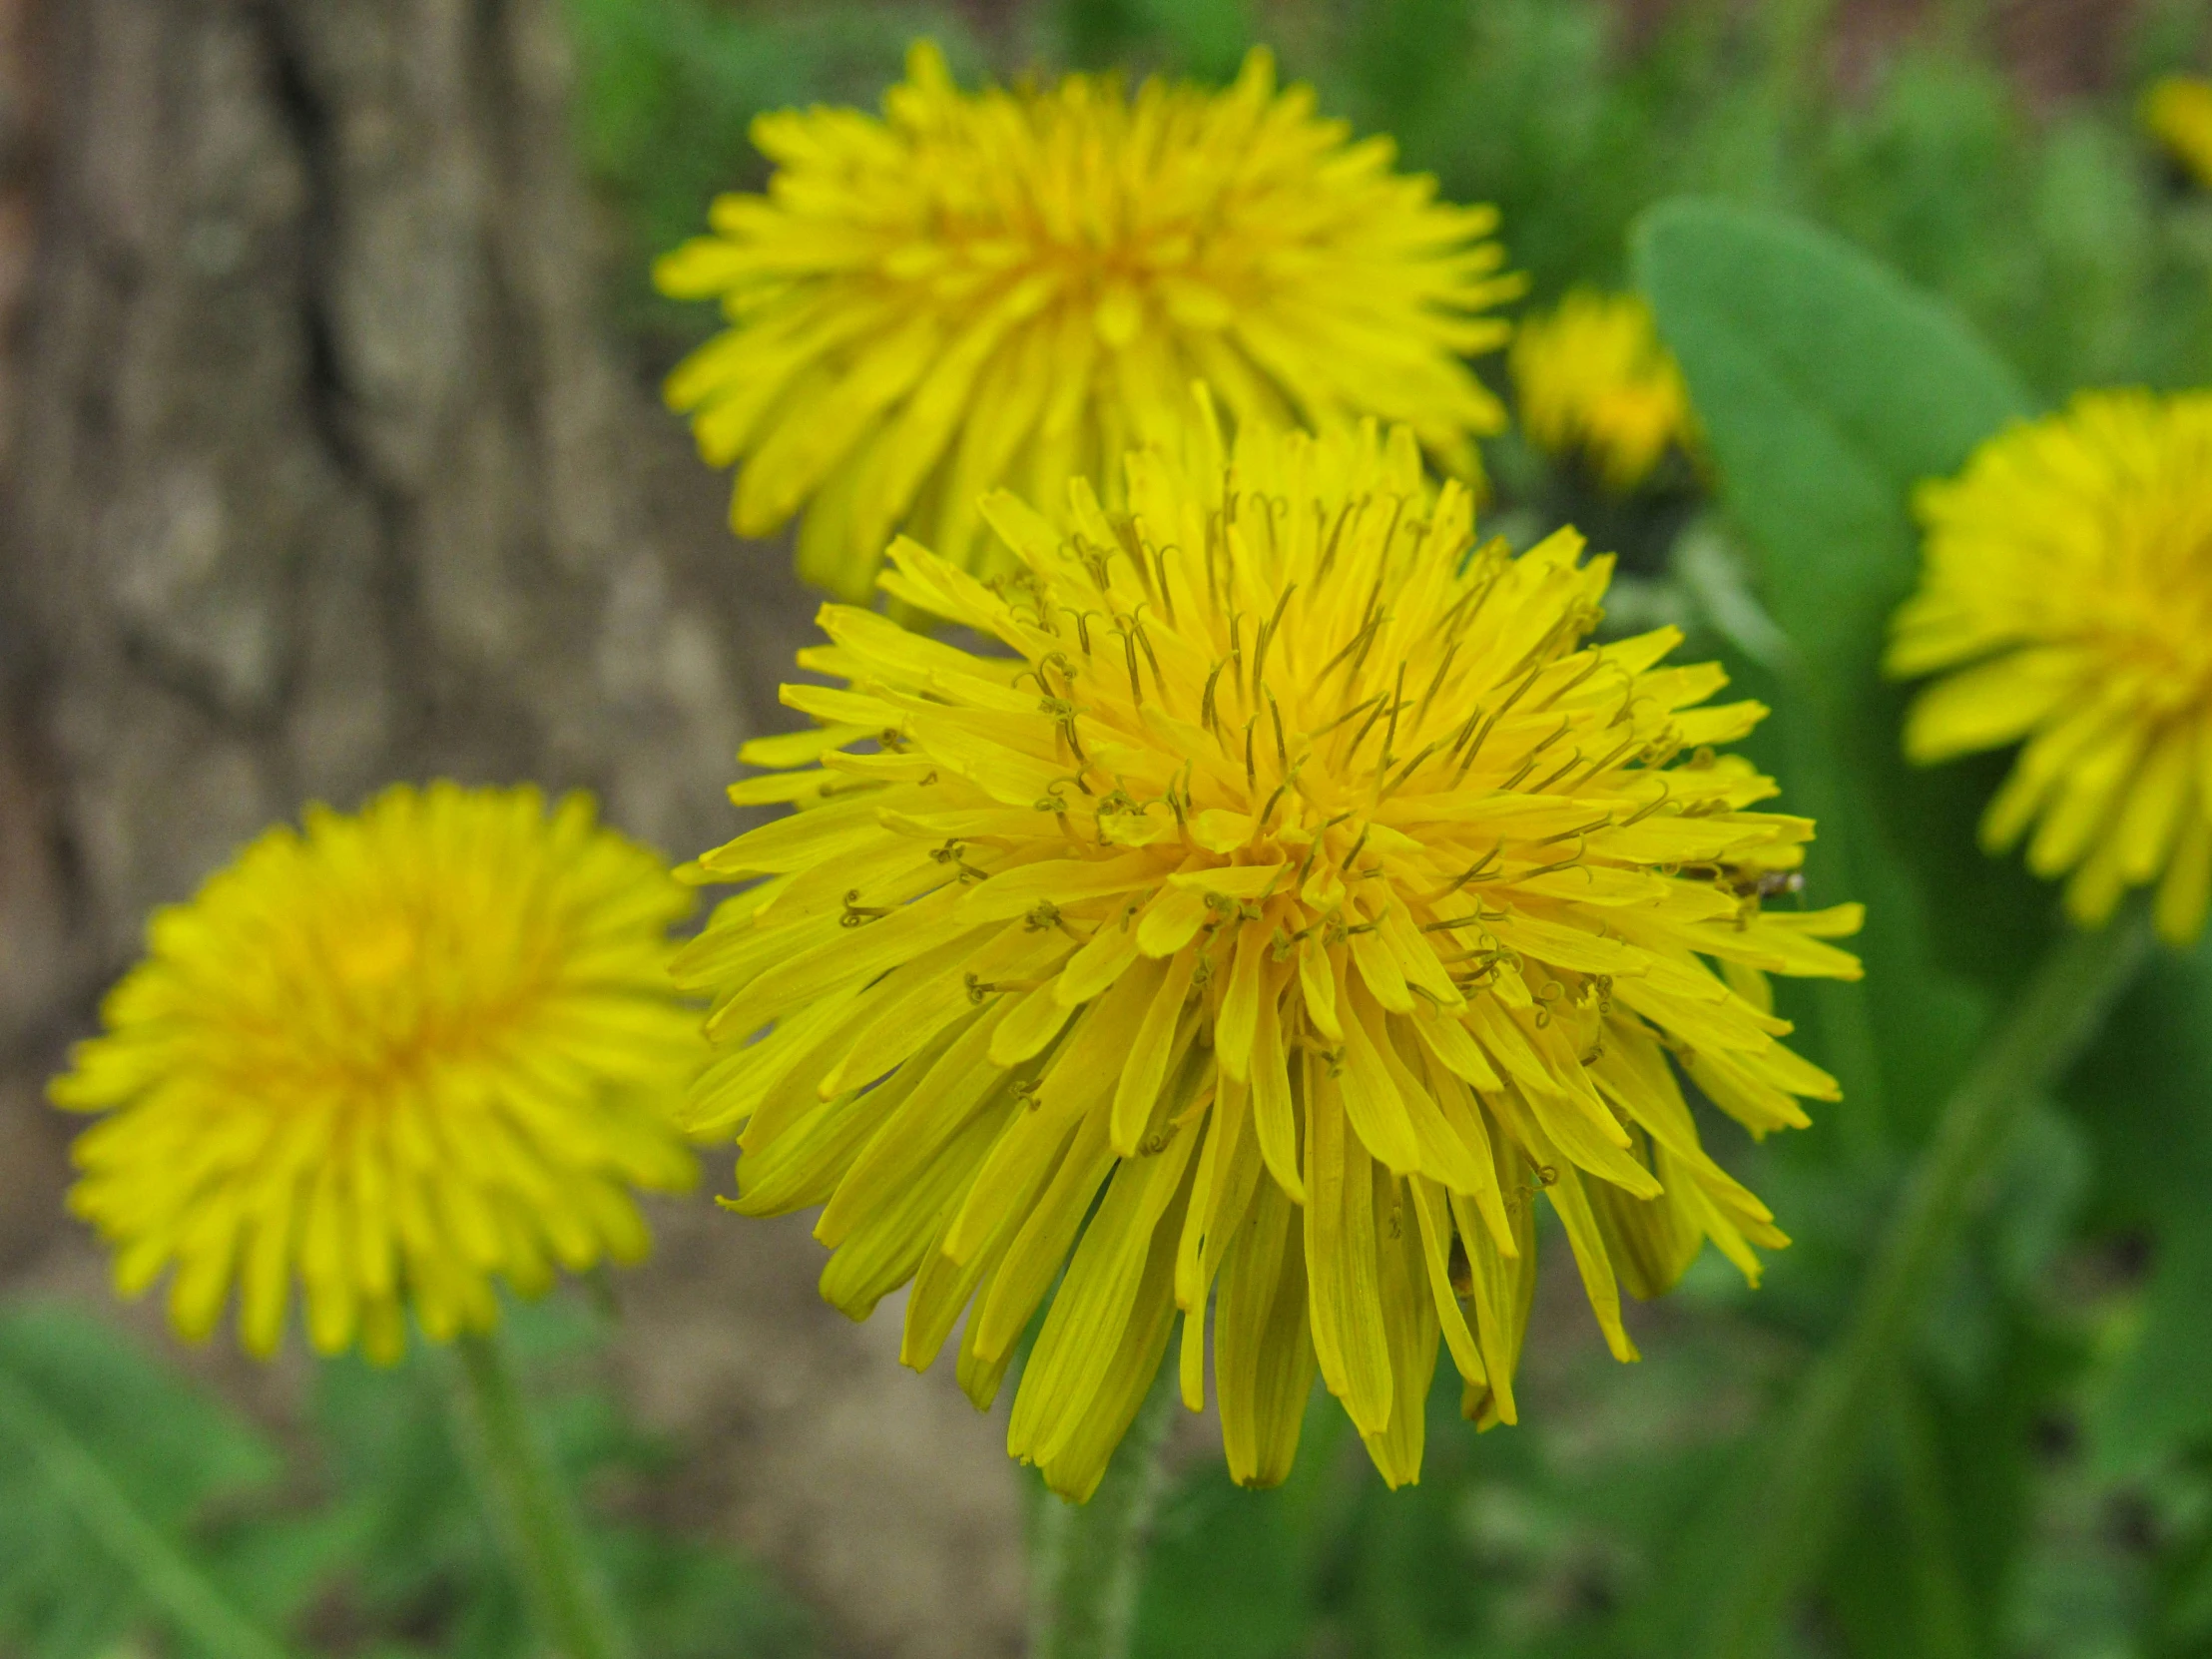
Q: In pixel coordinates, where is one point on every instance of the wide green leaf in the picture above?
(1828, 389)
(109, 1470)
(2144, 1097)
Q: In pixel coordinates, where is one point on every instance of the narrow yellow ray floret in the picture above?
(1593, 377)
(2066, 599)
(1298, 902)
(1013, 287)
(391, 1057)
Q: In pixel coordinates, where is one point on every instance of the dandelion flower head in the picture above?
(1300, 900)
(1593, 378)
(2179, 113)
(1013, 287)
(2067, 600)
(391, 1058)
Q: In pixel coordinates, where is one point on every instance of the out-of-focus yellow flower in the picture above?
(1592, 376)
(2178, 112)
(391, 1057)
(2068, 589)
(1299, 903)
(1015, 287)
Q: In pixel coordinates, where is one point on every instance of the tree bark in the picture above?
(322, 475)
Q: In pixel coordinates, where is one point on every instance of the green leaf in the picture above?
(2145, 1095)
(108, 1467)
(2180, 1623)
(1206, 39)
(131, 1503)
(1925, 1566)
(1230, 1573)
(1225, 1575)
(667, 89)
(1828, 389)
(2157, 1399)
(170, 1447)
(421, 1557)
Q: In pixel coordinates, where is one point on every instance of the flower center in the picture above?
(2158, 628)
(368, 960)
(436, 981)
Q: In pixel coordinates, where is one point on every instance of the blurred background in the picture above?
(330, 454)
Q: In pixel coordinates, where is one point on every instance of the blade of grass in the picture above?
(180, 1592)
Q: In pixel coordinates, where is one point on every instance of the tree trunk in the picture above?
(317, 473)
(320, 475)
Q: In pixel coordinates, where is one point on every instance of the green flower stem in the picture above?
(1801, 1488)
(183, 1595)
(530, 1513)
(1941, 1605)
(1086, 1561)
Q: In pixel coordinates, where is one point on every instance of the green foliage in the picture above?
(2142, 1094)
(1232, 1574)
(2059, 237)
(670, 88)
(420, 1552)
(1546, 1539)
(1830, 389)
(379, 1534)
(114, 1481)
(1206, 38)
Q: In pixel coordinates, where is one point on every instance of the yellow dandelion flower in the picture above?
(1299, 901)
(1014, 286)
(2067, 591)
(2177, 111)
(392, 1056)
(1593, 377)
